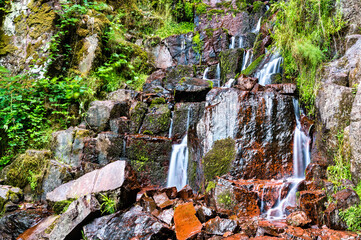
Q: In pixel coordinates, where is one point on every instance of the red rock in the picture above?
(273, 228)
(238, 236)
(298, 219)
(186, 193)
(162, 200)
(245, 83)
(265, 238)
(186, 222)
(312, 203)
(297, 233)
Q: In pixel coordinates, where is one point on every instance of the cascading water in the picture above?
(247, 59)
(258, 27)
(272, 67)
(218, 74)
(171, 126)
(177, 174)
(301, 158)
(241, 42)
(205, 74)
(233, 40)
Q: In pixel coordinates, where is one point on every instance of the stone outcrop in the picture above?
(10, 197)
(116, 176)
(186, 223)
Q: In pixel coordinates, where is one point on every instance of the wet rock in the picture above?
(69, 224)
(205, 213)
(163, 57)
(149, 156)
(12, 224)
(285, 88)
(342, 200)
(298, 219)
(156, 121)
(38, 231)
(148, 204)
(9, 197)
(100, 112)
(312, 203)
(134, 223)
(180, 48)
(116, 176)
(215, 42)
(316, 171)
(245, 83)
(254, 121)
(186, 222)
(220, 226)
(192, 90)
(180, 117)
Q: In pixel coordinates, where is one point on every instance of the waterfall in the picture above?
(240, 42)
(246, 59)
(229, 84)
(231, 46)
(177, 174)
(205, 73)
(301, 158)
(258, 27)
(273, 66)
(171, 125)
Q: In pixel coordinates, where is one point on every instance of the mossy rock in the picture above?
(61, 206)
(41, 20)
(230, 63)
(217, 161)
(253, 66)
(137, 114)
(27, 169)
(157, 120)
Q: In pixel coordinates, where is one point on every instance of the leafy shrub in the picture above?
(108, 204)
(304, 32)
(352, 217)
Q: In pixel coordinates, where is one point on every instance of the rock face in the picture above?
(230, 63)
(258, 122)
(14, 223)
(298, 219)
(115, 176)
(133, 224)
(355, 137)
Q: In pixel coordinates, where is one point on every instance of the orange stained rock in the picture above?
(186, 222)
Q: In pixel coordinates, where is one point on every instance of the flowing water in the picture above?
(171, 125)
(301, 158)
(205, 74)
(258, 27)
(272, 67)
(177, 174)
(247, 57)
(233, 40)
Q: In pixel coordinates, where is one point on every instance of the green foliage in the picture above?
(211, 185)
(225, 200)
(201, 8)
(198, 45)
(342, 168)
(172, 28)
(257, 5)
(352, 217)
(108, 204)
(218, 160)
(304, 32)
(28, 108)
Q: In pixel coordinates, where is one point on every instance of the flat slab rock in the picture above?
(108, 178)
(186, 222)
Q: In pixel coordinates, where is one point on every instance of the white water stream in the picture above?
(177, 174)
(273, 66)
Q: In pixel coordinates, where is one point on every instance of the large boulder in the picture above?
(100, 112)
(192, 90)
(157, 120)
(132, 224)
(115, 177)
(186, 223)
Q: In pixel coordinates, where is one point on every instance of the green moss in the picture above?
(225, 200)
(226, 4)
(159, 100)
(210, 186)
(5, 44)
(26, 167)
(253, 66)
(212, 12)
(201, 8)
(257, 5)
(41, 20)
(137, 115)
(61, 206)
(218, 160)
